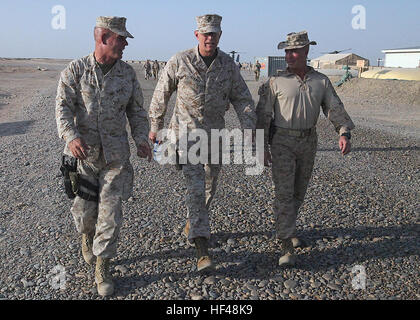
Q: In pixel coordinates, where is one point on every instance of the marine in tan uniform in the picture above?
(95, 96)
(294, 99)
(207, 80)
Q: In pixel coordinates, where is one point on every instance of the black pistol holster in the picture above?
(72, 181)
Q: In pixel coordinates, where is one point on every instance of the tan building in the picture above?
(337, 61)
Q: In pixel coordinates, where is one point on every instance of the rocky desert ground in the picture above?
(360, 218)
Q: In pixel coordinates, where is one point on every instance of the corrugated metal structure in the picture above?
(271, 65)
(275, 64)
(402, 58)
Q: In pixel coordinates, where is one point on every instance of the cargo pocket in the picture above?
(128, 176)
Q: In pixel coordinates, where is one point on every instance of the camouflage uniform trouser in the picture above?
(201, 181)
(293, 161)
(103, 218)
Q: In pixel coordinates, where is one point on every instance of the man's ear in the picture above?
(105, 37)
(196, 34)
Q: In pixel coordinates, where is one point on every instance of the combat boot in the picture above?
(186, 230)
(87, 245)
(203, 258)
(288, 258)
(298, 243)
(103, 278)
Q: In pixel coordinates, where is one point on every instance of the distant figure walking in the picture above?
(155, 68)
(147, 69)
(257, 69)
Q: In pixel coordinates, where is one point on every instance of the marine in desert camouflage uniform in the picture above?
(294, 98)
(207, 80)
(147, 70)
(95, 96)
(155, 68)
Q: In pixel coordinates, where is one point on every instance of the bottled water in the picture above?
(157, 152)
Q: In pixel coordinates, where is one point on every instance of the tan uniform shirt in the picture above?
(203, 94)
(96, 107)
(296, 103)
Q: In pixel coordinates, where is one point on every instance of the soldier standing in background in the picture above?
(257, 68)
(95, 96)
(206, 80)
(147, 68)
(155, 68)
(295, 97)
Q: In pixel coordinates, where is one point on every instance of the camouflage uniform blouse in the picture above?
(203, 94)
(95, 108)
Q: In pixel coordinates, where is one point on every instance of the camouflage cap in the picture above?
(115, 24)
(295, 40)
(208, 23)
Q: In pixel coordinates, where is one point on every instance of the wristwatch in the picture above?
(346, 134)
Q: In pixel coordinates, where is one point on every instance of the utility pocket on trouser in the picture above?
(85, 212)
(116, 181)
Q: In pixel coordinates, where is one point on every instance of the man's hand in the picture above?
(344, 144)
(152, 136)
(144, 151)
(267, 158)
(78, 148)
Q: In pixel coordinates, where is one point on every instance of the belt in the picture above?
(296, 132)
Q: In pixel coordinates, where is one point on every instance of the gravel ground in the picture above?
(361, 213)
(387, 105)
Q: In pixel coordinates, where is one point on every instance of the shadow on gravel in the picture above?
(414, 148)
(379, 243)
(15, 128)
(2, 96)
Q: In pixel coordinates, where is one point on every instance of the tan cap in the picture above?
(209, 23)
(295, 40)
(115, 24)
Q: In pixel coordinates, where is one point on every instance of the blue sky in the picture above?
(161, 27)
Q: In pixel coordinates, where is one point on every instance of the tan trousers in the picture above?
(293, 161)
(103, 218)
(201, 182)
